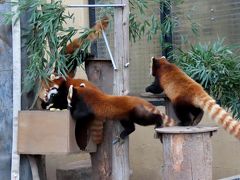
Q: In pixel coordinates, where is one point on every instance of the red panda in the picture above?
(127, 109)
(56, 98)
(188, 97)
(57, 90)
(70, 48)
(95, 33)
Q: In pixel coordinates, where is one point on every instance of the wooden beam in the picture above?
(120, 152)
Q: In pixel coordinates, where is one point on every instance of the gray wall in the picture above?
(6, 103)
(6, 97)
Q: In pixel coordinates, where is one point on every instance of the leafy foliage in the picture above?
(217, 68)
(46, 40)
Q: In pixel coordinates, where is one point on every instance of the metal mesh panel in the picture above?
(217, 18)
(140, 54)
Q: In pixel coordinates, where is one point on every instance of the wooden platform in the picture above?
(186, 129)
(46, 132)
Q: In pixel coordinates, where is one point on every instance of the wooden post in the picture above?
(187, 152)
(120, 152)
(100, 72)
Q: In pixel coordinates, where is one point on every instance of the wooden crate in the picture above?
(46, 132)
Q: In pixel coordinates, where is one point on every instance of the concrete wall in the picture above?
(6, 105)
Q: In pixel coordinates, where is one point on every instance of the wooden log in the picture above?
(120, 156)
(100, 72)
(187, 152)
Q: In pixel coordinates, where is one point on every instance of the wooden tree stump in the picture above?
(187, 152)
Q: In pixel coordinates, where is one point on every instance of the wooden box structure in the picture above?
(46, 132)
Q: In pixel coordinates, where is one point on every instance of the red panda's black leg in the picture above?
(197, 115)
(143, 117)
(188, 114)
(128, 126)
(79, 109)
(154, 87)
(183, 114)
(81, 130)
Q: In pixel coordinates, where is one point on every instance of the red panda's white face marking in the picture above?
(53, 91)
(82, 85)
(49, 106)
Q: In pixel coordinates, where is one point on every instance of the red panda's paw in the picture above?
(119, 140)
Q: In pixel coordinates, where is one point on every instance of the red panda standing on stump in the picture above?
(188, 97)
(126, 109)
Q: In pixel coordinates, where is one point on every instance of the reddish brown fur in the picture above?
(184, 91)
(97, 29)
(75, 44)
(109, 107)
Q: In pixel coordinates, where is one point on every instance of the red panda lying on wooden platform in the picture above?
(91, 107)
(188, 97)
(126, 109)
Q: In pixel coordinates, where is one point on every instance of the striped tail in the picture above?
(167, 121)
(219, 115)
(96, 130)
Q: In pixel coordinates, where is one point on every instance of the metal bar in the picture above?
(167, 38)
(109, 50)
(16, 38)
(92, 21)
(95, 5)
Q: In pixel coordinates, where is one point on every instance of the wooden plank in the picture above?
(120, 156)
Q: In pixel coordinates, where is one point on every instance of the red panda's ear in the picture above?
(82, 85)
(151, 66)
(54, 77)
(70, 92)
